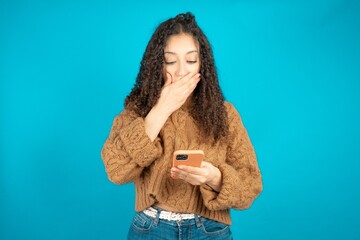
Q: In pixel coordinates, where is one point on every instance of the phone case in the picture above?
(188, 157)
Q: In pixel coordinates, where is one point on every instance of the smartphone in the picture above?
(188, 157)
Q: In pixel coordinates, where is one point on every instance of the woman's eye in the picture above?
(173, 62)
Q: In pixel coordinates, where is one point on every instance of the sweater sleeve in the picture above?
(241, 178)
(128, 149)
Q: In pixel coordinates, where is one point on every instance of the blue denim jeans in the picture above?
(144, 227)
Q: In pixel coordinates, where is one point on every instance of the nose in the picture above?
(182, 69)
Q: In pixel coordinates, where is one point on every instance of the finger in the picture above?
(168, 79)
(185, 79)
(193, 78)
(187, 176)
(194, 83)
(178, 172)
(175, 172)
(180, 175)
(174, 175)
(184, 176)
(188, 86)
(190, 170)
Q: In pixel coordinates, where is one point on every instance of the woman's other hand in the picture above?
(205, 174)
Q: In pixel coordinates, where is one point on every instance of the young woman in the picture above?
(177, 104)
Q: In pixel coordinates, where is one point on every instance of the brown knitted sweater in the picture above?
(129, 155)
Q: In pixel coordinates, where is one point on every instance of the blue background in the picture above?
(292, 69)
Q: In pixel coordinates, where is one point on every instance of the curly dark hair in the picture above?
(207, 105)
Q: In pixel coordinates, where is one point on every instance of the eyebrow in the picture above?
(168, 52)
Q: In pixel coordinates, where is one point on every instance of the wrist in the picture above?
(154, 121)
(162, 110)
(216, 180)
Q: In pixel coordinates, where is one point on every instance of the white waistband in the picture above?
(171, 216)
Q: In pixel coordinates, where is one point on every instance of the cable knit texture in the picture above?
(129, 155)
